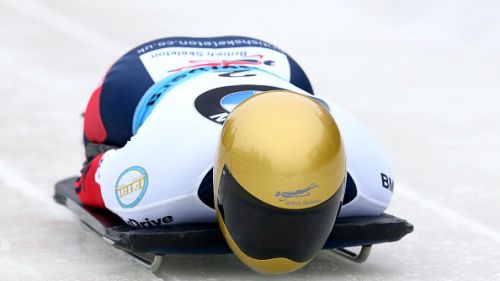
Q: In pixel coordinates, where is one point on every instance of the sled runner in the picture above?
(148, 245)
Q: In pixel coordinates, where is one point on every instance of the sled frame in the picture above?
(154, 262)
(149, 249)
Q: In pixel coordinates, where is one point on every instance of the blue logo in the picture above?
(230, 101)
(131, 186)
(216, 104)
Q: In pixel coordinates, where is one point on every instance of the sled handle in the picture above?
(153, 263)
(149, 261)
(360, 257)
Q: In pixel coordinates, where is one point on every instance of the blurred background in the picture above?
(423, 76)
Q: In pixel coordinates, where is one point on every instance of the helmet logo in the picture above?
(290, 197)
(131, 186)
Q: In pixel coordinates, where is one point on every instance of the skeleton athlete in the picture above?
(151, 129)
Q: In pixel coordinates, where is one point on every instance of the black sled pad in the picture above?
(207, 238)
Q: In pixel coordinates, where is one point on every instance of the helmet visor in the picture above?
(263, 231)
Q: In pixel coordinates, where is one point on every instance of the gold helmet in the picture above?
(279, 180)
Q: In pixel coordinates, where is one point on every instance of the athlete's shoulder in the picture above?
(172, 54)
(135, 72)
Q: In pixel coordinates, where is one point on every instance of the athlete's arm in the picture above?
(87, 189)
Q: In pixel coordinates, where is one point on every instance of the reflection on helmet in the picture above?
(279, 180)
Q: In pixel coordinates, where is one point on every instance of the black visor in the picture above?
(263, 231)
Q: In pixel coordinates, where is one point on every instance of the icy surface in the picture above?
(424, 76)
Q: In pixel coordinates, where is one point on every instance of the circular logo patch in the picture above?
(216, 104)
(131, 186)
(230, 101)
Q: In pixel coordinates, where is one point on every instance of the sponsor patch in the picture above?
(131, 186)
(216, 104)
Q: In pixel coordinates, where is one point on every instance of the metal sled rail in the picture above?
(148, 245)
